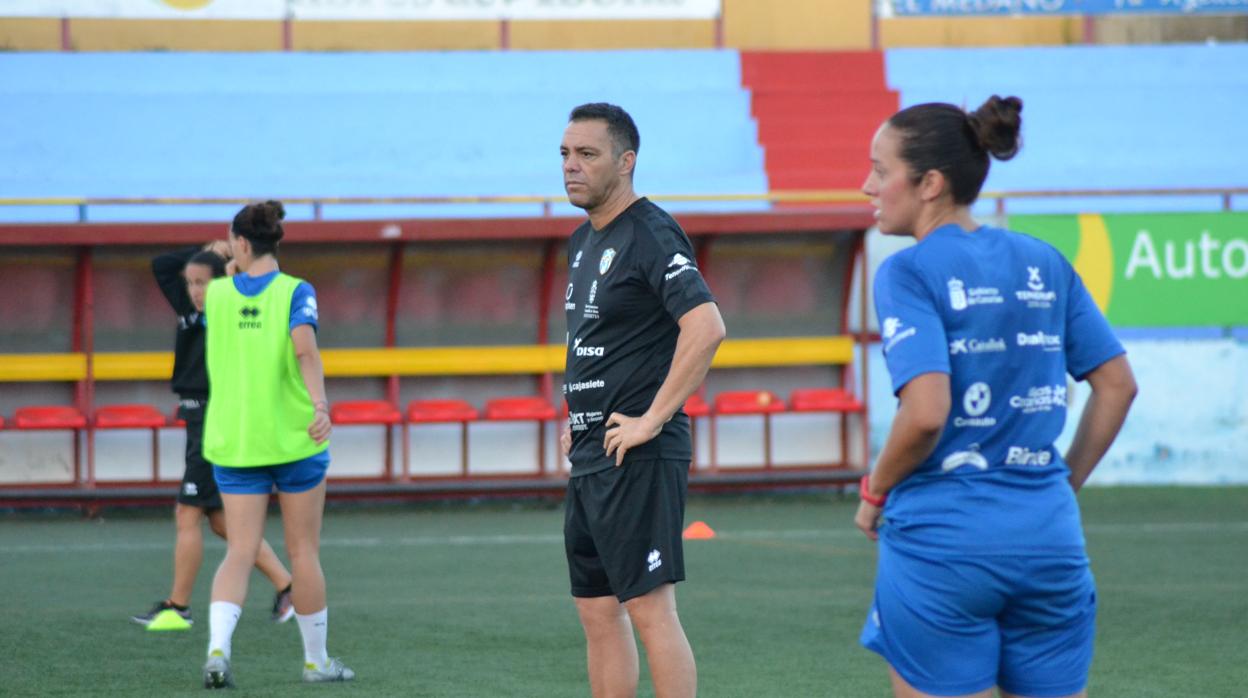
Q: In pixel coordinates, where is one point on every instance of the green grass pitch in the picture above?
(471, 600)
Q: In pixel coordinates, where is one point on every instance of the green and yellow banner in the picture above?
(1156, 269)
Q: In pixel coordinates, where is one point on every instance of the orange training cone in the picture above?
(698, 530)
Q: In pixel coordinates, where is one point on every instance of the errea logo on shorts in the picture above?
(653, 561)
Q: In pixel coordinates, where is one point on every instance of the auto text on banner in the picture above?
(971, 8)
(434, 10)
(1156, 269)
(146, 9)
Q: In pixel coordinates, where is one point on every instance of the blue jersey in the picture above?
(1007, 318)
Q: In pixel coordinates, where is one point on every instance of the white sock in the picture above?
(222, 619)
(315, 629)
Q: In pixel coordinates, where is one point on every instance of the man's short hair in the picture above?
(620, 126)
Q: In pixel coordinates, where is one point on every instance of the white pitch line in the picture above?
(556, 538)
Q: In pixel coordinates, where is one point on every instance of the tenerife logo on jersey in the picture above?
(892, 332)
(961, 297)
(605, 262)
(976, 346)
(1034, 282)
(975, 402)
(576, 263)
(1035, 296)
(1047, 342)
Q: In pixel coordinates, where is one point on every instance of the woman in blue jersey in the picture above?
(267, 426)
(983, 581)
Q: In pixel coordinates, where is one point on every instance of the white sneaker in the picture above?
(334, 671)
(217, 672)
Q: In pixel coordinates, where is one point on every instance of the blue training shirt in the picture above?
(1007, 317)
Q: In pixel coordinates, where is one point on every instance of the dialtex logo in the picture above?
(250, 318)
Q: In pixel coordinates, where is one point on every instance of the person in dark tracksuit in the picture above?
(642, 330)
(183, 277)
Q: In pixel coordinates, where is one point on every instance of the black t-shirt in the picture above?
(190, 371)
(628, 285)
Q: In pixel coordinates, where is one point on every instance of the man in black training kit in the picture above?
(642, 330)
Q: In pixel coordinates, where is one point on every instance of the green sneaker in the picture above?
(165, 616)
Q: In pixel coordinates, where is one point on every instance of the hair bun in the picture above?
(996, 124)
(266, 220)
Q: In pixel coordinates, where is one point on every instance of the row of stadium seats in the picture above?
(488, 124)
(367, 125)
(442, 411)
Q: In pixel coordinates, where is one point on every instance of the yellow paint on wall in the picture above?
(175, 35)
(30, 34)
(980, 31)
(618, 34)
(394, 36)
(797, 24)
(1095, 259)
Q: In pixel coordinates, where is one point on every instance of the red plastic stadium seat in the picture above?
(696, 407)
(748, 402)
(432, 411)
(1, 422)
(519, 408)
(48, 417)
(364, 412)
(824, 400)
(129, 417)
(439, 412)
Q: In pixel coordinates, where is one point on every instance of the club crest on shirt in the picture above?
(608, 256)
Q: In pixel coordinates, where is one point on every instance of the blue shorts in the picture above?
(956, 626)
(299, 476)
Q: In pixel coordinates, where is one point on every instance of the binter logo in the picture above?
(653, 561)
(1021, 455)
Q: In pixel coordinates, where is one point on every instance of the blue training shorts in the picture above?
(291, 478)
(952, 627)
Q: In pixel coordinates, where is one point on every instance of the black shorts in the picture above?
(622, 529)
(199, 487)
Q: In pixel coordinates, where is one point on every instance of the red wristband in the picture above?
(864, 493)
